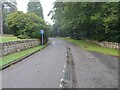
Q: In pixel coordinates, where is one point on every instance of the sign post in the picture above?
(42, 32)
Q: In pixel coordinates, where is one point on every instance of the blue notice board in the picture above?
(41, 31)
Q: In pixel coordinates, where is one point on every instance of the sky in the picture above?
(47, 5)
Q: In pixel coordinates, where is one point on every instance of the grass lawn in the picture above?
(92, 47)
(12, 57)
(7, 38)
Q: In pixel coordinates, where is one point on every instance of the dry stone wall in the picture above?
(108, 44)
(16, 46)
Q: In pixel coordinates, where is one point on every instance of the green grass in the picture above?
(89, 46)
(7, 38)
(12, 57)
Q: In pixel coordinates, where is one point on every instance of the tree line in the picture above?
(86, 20)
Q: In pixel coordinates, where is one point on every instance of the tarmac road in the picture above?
(45, 69)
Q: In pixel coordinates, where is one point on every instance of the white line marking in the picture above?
(64, 66)
(60, 86)
(61, 80)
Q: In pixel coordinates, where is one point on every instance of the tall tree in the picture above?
(7, 7)
(1, 23)
(35, 7)
(86, 20)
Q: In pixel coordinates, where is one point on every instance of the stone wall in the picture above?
(108, 44)
(16, 46)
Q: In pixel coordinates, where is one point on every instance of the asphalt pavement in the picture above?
(94, 70)
(45, 68)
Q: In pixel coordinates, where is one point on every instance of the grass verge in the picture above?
(89, 46)
(15, 56)
(8, 38)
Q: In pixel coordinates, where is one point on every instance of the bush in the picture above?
(35, 34)
(25, 24)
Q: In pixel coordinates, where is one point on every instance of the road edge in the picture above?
(22, 58)
(89, 50)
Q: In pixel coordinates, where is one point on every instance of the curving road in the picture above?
(45, 68)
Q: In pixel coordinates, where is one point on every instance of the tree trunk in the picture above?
(1, 21)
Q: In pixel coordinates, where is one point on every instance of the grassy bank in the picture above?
(12, 57)
(92, 47)
(8, 38)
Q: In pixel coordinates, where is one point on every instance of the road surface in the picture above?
(45, 69)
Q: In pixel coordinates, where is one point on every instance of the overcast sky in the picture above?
(46, 4)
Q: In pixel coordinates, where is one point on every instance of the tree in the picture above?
(35, 7)
(7, 8)
(28, 24)
(1, 23)
(86, 20)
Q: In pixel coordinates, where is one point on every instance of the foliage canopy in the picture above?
(25, 24)
(86, 20)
